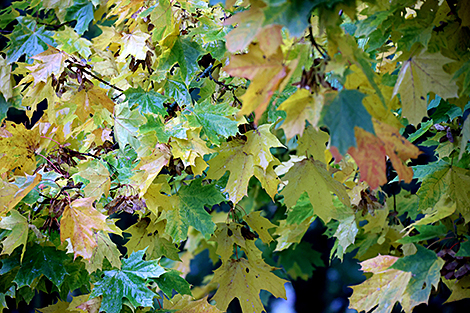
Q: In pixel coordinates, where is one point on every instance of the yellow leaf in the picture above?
(19, 227)
(97, 175)
(240, 158)
(52, 63)
(149, 167)
(88, 101)
(313, 143)
(6, 80)
(185, 304)
(265, 73)
(191, 150)
(261, 225)
(460, 288)
(59, 307)
(249, 23)
(226, 235)
(419, 75)
(105, 249)
(300, 107)
(290, 233)
(79, 222)
(11, 194)
(384, 288)
(134, 44)
(270, 38)
(244, 280)
(311, 176)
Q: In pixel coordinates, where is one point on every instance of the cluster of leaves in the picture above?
(197, 116)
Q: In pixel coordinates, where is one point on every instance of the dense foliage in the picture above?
(230, 127)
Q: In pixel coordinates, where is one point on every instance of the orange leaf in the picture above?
(266, 74)
(78, 221)
(370, 157)
(371, 151)
(397, 148)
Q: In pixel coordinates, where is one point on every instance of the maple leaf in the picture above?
(146, 101)
(18, 152)
(69, 41)
(149, 233)
(260, 225)
(19, 227)
(79, 223)
(172, 280)
(149, 167)
(60, 306)
(313, 143)
(184, 52)
(91, 100)
(96, 177)
(425, 268)
(11, 193)
(191, 151)
(184, 304)
(244, 279)
(27, 38)
(128, 282)
(126, 124)
(419, 75)
(249, 24)
(341, 116)
(240, 158)
(265, 73)
(6, 80)
(188, 210)
(318, 188)
(41, 260)
(290, 233)
(105, 248)
(52, 63)
(82, 12)
(134, 44)
(300, 107)
(214, 120)
(384, 288)
(371, 153)
(370, 156)
(226, 235)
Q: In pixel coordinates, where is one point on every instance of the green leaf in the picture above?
(190, 211)
(184, 52)
(129, 282)
(172, 280)
(342, 115)
(27, 39)
(425, 268)
(464, 249)
(293, 14)
(19, 227)
(311, 176)
(434, 185)
(78, 277)
(426, 232)
(163, 131)
(82, 12)
(126, 124)
(300, 260)
(146, 101)
(39, 260)
(301, 211)
(213, 119)
(177, 89)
